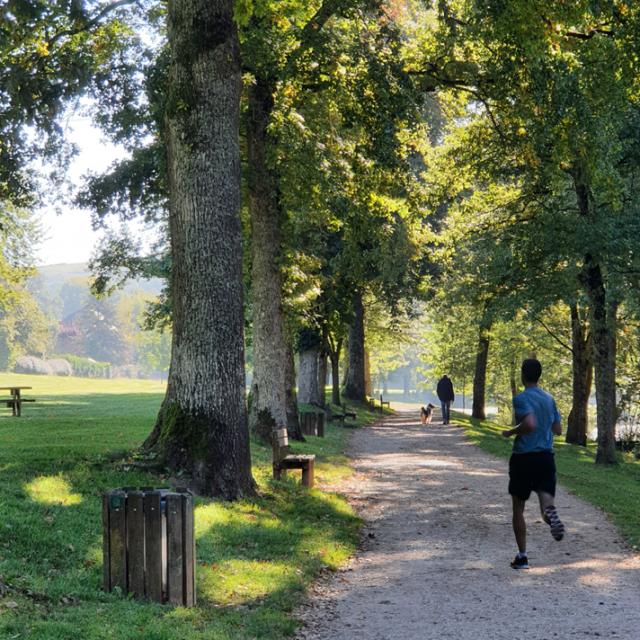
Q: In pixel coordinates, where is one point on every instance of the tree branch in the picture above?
(91, 22)
(552, 334)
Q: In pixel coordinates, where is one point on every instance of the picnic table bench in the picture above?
(15, 399)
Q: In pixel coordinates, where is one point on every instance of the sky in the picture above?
(68, 237)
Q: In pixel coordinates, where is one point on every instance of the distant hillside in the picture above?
(62, 289)
(56, 275)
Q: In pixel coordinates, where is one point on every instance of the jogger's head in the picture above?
(531, 371)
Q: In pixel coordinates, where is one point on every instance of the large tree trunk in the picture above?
(308, 392)
(354, 387)
(603, 330)
(480, 376)
(582, 373)
(293, 418)
(202, 425)
(269, 348)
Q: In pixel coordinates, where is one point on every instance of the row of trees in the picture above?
(362, 153)
(541, 185)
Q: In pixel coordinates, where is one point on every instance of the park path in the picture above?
(434, 562)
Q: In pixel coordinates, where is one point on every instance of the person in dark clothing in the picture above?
(446, 396)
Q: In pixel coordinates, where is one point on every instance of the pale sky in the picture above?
(69, 237)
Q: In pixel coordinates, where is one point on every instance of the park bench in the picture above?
(384, 404)
(342, 416)
(15, 399)
(283, 461)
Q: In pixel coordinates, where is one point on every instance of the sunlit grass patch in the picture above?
(241, 581)
(52, 490)
(254, 558)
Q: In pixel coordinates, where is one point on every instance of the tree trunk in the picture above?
(514, 387)
(480, 376)
(322, 378)
(293, 418)
(354, 387)
(202, 425)
(602, 316)
(269, 347)
(582, 373)
(334, 357)
(308, 377)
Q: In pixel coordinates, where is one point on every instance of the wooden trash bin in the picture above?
(149, 544)
(312, 423)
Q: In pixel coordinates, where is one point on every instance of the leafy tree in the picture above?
(202, 426)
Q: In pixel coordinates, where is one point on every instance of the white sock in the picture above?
(522, 554)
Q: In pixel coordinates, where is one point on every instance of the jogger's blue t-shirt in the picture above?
(543, 406)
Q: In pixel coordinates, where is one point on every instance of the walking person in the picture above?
(446, 396)
(532, 464)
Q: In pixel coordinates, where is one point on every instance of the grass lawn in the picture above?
(614, 489)
(255, 558)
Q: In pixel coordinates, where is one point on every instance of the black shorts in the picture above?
(532, 472)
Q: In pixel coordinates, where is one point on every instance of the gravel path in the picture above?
(434, 563)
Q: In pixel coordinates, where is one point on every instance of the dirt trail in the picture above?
(437, 547)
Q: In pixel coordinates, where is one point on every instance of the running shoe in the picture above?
(554, 522)
(520, 562)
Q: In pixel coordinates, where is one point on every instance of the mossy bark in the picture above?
(202, 425)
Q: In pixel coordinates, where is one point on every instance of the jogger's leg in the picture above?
(519, 525)
(550, 515)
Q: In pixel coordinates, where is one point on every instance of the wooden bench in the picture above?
(283, 461)
(384, 404)
(16, 405)
(342, 416)
(14, 402)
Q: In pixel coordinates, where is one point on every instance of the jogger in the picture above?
(532, 464)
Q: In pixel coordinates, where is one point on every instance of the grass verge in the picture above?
(255, 558)
(614, 489)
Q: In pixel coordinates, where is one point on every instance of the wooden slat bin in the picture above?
(312, 423)
(149, 544)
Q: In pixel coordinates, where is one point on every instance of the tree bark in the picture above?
(269, 347)
(582, 374)
(514, 387)
(334, 358)
(480, 376)
(308, 392)
(202, 424)
(354, 388)
(322, 378)
(294, 429)
(602, 316)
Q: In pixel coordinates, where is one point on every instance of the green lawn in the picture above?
(614, 489)
(255, 558)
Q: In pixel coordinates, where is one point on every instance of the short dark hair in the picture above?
(531, 370)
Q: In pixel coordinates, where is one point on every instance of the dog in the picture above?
(426, 413)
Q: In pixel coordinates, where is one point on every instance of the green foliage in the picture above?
(87, 367)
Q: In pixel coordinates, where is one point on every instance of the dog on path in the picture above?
(426, 413)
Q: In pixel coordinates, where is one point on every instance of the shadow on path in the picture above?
(437, 547)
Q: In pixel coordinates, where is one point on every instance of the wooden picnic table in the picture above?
(16, 399)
